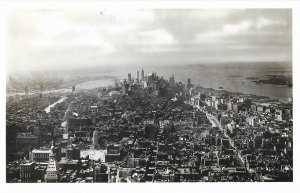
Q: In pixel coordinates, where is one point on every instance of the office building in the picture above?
(95, 139)
(52, 172)
(129, 78)
(40, 155)
(27, 171)
(142, 75)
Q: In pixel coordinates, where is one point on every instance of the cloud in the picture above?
(45, 39)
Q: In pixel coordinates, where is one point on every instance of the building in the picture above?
(112, 157)
(142, 75)
(26, 140)
(253, 121)
(208, 102)
(95, 139)
(229, 106)
(65, 164)
(129, 78)
(189, 84)
(52, 172)
(125, 88)
(76, 153)
(253, 107)
(40, 155)
(73, 88)
(236, 107)
(69, 154)
(27, 172)
(260, 109)
(150, 131)
(172, 81)
(225, 143)
(257, 141)
(100, 173)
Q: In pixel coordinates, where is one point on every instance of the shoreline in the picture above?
(67, 89)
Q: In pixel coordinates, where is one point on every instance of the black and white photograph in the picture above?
(148, 95)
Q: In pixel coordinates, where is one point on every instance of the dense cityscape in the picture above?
(148, 128)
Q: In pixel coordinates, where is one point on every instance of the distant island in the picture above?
(275, 80)
(252, 78)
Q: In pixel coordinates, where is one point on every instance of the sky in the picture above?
(62, 39)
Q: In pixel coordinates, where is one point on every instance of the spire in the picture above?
(51, 149)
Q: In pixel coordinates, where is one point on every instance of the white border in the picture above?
(150, 187)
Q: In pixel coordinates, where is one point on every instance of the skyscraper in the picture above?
(189, 84)
(52, 172)
(142, 75)
(125, 87)
(172, 80)
(129, 78)
(27, 172)
(95, 139)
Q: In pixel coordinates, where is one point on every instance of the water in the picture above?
(233, 78)
(94, 84)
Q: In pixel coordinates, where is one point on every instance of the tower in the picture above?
(52, 172)
(138, 76)
(73, 88)
(125, 87)
(41, 89)
(95, 139)
(189, 84)
(172, 81)
(142, 75)
(129, 78)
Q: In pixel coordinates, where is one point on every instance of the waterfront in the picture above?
(233, 78)
(94, 84)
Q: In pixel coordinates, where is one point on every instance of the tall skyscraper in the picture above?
(142, 75)
(73, 88)
(41, 89)
(95, 139)
(172, 80)
(125, 87)
(52, 172)
(189, 84)
(129, 78)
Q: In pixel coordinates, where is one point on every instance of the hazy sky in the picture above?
(55, 39)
